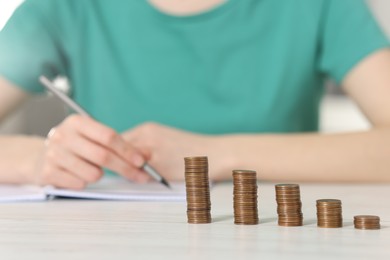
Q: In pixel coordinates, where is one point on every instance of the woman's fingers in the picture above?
(74, 164)
(106, 137)
(95, 154)
(80, 147)
(61, 178)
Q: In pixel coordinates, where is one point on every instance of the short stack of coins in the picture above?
(245, 197)
(329, 213)
(367, 222)
(198, 190)
(288, 198)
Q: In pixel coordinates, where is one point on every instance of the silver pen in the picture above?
(78, 109)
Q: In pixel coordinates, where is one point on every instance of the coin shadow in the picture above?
(222, 218)
(310, 222)
(268, 220)
(348, 224)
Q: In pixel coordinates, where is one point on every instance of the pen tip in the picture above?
(166, 184)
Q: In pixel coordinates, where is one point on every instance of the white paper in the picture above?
(109, 188)
(19, 193)
(116, 188)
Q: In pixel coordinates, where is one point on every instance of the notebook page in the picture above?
(19, 193)
(116, 188)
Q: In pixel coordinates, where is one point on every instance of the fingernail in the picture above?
(138, 160)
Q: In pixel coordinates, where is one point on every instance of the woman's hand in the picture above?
(77, 150)
(165, 148)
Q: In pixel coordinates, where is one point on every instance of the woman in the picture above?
(239, 81)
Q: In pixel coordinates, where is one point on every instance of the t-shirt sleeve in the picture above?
(349, 34)
(29, 46)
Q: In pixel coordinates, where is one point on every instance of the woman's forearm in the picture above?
(350, 157)
(18, 158)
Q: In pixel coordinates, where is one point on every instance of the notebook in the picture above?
(109, 188)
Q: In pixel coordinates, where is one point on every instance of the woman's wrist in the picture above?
(223, 158)
(19, 158)
(30, 170)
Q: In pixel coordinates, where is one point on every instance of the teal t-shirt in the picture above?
(245, 66)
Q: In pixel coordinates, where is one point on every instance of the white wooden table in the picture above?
(76, 229)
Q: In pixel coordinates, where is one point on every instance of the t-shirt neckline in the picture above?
(214, 11)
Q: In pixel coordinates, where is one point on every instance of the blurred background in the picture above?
(39, 114)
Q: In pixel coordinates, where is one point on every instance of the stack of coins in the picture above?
(245, 197)
(367, 222)
(288, 198)
(198, 190)
(329, 213)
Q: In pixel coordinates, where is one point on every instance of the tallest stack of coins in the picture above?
(198, 190)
